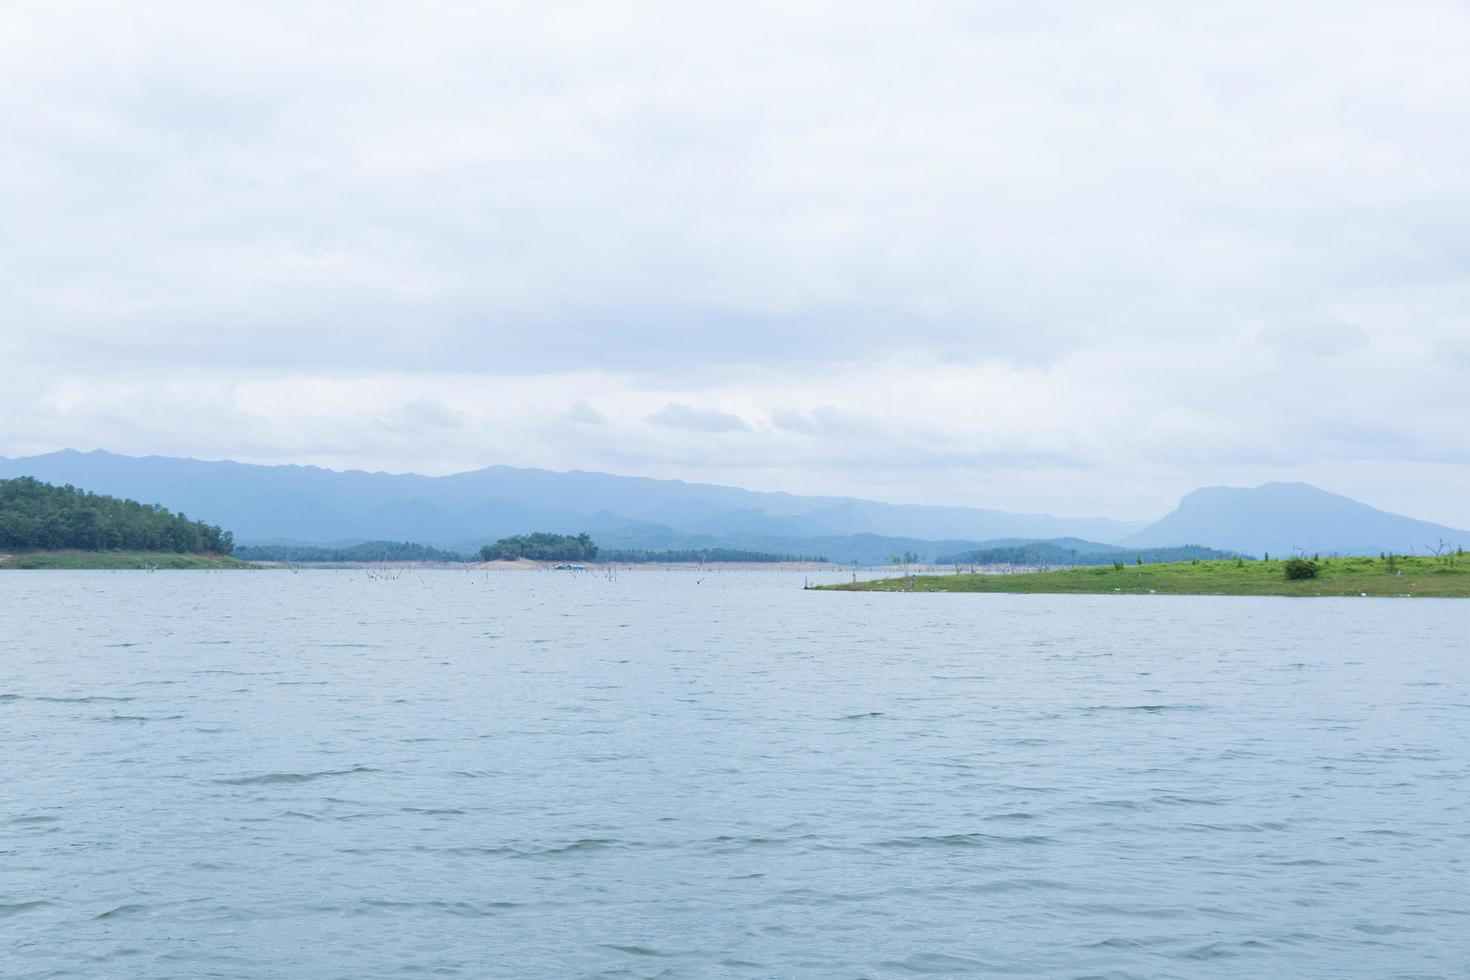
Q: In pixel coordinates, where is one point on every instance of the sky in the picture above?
(1077, 258)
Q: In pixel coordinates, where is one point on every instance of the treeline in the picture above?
(637, 556)
(1043, 553)
(41, 516)
(366, 551)
(1184, 552)
(541, 546)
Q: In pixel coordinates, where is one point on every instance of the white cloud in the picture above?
(824, 420)
(1322, 335)
(422, 415)
(581, 411)
(678, 416)
(1454, 351)
(1070, 256)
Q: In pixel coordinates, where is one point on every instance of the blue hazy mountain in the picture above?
(309, 504)
(1282, 517)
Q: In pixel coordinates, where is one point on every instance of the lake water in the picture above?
(676, 774)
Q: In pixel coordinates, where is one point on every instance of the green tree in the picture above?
(542, 546)
(1299, 568)
(36, 515)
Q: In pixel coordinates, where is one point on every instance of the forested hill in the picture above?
(40, 516)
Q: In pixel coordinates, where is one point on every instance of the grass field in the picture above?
(115, 560)
(1400, 576)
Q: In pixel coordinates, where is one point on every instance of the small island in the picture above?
(44, 526)
(1445, 575)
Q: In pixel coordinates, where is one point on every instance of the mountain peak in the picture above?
(1282, 518)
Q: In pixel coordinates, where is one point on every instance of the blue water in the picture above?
(691, 775)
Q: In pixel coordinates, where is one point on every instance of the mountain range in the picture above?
(308, 504)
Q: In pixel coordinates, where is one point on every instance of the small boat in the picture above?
(568, 567)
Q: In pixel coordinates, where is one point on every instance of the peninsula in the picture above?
(1388, 575)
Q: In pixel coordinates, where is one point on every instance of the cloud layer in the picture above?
(1081, 257)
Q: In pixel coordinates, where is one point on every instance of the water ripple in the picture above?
(270, 778)
(544, 775)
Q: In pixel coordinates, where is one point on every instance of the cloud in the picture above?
(825, 420)
(1453, 351)
(499, 190)
(583, 412)
(1125, 432)
(1324, 336)
(1160, 248)
(422, 414)
(678, 416)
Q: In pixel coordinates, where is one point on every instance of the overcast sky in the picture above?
(1077, 258)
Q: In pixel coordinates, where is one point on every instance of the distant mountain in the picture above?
(310, 505)
(1067, 552)
(1282, 517)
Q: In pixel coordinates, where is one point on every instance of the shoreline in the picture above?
(528, 565)
(77, 560)
(106, 561)
(1446, 577)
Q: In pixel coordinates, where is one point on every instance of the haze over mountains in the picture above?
(1284, 517)
(267, 504)
(309, 504)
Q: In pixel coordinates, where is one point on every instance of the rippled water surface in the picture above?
(686, 775)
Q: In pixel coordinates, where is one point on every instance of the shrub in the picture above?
(1300, 568)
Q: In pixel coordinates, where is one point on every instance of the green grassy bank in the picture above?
(1400, 576)
(67, 558)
